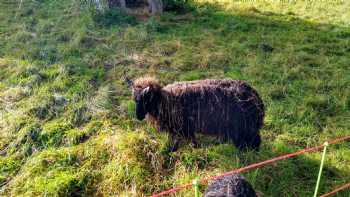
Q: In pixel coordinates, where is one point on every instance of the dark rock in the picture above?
(230, 186)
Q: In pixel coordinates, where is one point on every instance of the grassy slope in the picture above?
(67, 123)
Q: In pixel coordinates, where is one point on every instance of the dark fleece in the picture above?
(227, 108)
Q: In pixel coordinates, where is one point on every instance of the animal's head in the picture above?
(146, 94)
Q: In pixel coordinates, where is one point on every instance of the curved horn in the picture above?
(145, 91)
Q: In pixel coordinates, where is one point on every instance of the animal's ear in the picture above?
(145, 91)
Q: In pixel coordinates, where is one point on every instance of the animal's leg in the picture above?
(173, 142)
(254, 142)
(247, 142)
(240, 145)
(194, 140)
(239, 141)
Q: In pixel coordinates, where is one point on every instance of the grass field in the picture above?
(67, 122)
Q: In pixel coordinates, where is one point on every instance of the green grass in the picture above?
(67, 121)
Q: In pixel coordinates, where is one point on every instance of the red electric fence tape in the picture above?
(252, 166)
(336, 190)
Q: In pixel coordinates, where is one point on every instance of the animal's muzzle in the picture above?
(140, 112)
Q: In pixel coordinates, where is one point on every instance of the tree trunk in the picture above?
(155, 6)
(99, 4)
(113, 3)
(122, 4)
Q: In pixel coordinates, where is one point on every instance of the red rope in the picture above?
(336, 190)
(252, 166)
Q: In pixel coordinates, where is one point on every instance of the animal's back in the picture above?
(179, 88)
(212, 106)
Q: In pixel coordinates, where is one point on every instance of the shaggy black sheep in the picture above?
(227, 108)
(230, 186)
